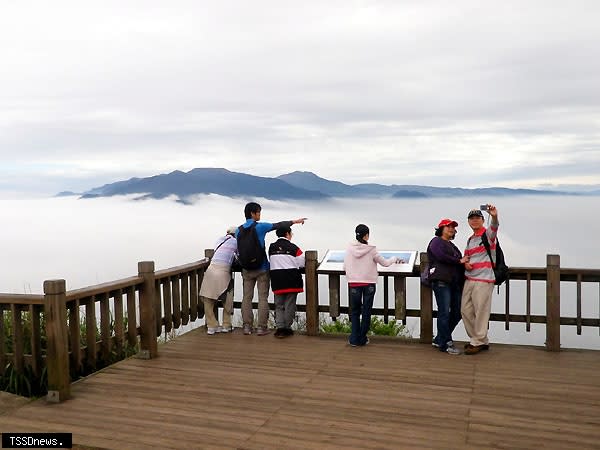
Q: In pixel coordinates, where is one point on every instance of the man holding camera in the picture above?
(479, 285)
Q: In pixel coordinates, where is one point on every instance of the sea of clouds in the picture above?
(98, 240)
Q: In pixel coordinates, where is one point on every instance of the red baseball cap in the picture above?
(446, 222)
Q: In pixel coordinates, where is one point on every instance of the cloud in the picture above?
(355, 91)
(88, 242)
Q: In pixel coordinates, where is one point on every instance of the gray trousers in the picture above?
(285, 309)
(261, 279)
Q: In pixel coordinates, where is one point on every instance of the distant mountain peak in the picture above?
(206, 181)
(297, 185)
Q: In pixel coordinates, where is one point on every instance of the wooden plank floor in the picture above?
(250, 392)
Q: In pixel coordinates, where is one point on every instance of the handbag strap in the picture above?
(225, 240)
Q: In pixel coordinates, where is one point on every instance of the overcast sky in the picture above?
(461, 93)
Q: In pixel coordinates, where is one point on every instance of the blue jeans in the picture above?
(361, 303)
(447, 297)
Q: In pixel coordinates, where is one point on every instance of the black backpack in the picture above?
(251, 254)
(500, 267)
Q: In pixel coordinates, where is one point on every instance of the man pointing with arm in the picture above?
(256, 271)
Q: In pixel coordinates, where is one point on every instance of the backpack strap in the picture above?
(486, 244)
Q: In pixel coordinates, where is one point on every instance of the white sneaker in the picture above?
(452, 350)
(226, 330)
(211, 331)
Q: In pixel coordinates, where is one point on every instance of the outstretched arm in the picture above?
(385, 262)
(287, 223)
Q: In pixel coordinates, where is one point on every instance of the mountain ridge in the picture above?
(298, 185)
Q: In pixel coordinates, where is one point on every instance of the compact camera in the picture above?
(483, 207)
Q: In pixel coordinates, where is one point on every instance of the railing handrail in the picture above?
(566, 273)
(102, 288)
(21, 299)
(177, 270)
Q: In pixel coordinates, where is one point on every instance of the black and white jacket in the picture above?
(286, 259)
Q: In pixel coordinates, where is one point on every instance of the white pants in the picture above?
(476, 306)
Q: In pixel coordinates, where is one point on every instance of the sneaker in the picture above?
(260, 331)
(211, 331)
(435, 344)
(247, 329)
(367, 341)
(351, 344)
(226, 330)
(452, 350)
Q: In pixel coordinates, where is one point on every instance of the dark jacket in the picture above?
(286, 260)
(445, 257)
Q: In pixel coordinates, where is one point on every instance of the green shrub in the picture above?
(342, 325)
(24, 383)
(378, 327)
(392, 328)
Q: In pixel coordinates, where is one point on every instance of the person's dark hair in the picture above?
(250, 208)
(281, 232)
(439, 231)
(360, 232)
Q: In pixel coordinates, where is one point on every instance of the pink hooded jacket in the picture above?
(360, 263)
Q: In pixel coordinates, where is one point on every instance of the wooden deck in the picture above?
(250, 392)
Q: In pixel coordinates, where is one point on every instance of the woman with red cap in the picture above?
(447, 275)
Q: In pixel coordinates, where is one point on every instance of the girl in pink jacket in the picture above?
(360, 264)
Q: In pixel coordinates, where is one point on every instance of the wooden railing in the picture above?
(134, 311)
(553, 275)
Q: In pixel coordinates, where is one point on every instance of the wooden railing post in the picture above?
(553, 303)
(334, 296)
(312, 293)
(148, 342)
(57, 357)
(426, 307)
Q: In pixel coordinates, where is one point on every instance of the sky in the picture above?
(462, 93)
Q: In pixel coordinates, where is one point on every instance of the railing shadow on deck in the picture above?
(59, 330)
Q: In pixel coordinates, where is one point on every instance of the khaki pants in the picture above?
(475, 310)
(261, 279)
(209, 308)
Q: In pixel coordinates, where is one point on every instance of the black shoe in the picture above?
(288, 332)
(279, 333)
